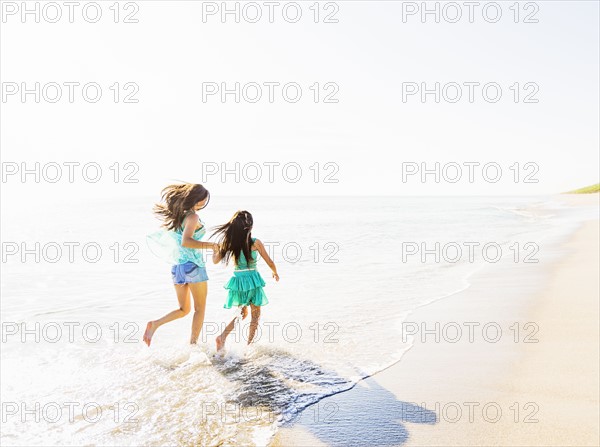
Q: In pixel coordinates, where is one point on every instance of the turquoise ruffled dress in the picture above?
(246, 285)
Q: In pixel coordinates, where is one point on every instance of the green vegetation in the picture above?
(587, 190)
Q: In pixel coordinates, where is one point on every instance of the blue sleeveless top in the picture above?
(166, 245)
(190, 254)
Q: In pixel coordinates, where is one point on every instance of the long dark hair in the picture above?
(178, 200)
(235, 237)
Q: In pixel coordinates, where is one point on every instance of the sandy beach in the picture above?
(402, 199)
(515, 362)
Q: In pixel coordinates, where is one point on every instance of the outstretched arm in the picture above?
(263, 252)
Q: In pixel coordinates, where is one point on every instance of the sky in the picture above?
(369, 131)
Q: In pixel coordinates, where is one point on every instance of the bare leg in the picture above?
(183, 296)
(199, 291)
(255, 311)
(221, 338)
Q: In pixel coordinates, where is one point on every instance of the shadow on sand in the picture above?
(369, 415)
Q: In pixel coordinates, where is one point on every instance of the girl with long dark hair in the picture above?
(180, 242)
(245, 287)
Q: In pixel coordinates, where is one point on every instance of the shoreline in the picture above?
(511, 391)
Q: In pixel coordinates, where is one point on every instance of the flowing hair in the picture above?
(235, 237)
(177, 201)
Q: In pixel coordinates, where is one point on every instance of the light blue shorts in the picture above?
(188, 273)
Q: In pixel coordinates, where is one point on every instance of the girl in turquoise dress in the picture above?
(245, 287)
(180, 243)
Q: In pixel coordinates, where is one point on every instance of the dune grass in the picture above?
(587, 190)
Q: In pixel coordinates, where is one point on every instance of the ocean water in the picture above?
(74, 368)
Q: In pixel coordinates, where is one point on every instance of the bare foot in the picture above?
(220, 343)
(149, 333)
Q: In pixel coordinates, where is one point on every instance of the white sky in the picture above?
(368, 134)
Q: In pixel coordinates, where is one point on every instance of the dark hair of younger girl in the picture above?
(235, 237)
(178, 200)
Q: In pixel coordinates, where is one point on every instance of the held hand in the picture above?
(276, 276)
(215, 255)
